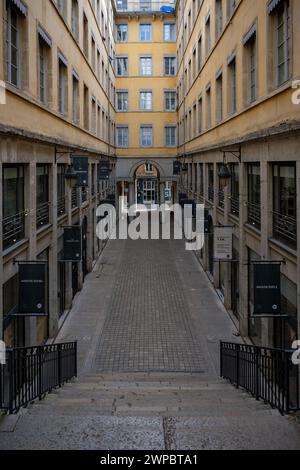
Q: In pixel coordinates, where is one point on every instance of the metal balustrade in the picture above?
(123, 6)
(268, 374)
(42, 214)
(254, 215)
(75, 198)
(61, 206)
(221, 199)
(211, 194)
(30, 373)
(13, 229)
(285, 228)
(235, 206)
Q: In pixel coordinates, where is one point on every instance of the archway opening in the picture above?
(147, 185)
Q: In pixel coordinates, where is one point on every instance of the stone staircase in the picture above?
(151, 411)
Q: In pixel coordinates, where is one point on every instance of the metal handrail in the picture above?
(235, 206)
(284, 227)
(254, 214)
(42, 214)
(267, 373)
(13, 228)
(143, 6)
(61, 206)
(32, 372)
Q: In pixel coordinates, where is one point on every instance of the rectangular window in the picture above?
(170, 136)
(75, 98)
(146, 66)
(13, 222)
(169, 32)
(122, 101)
(285, 203)
(254, 209)
(61, 190)
(232, 86)
(42, 72)
(200, 115)
(145, 32)
(93, 53)
(62, 7)
(231, 4)
(122, 136)
(146, 101)
(219, 18)
(170, 66)
(283, 41)
(13, 46)
(122, 66)
(85, 35)
(208, 108)
(94, 116)
(146, 136)
(62, 87)
(250, 44)
(199, 53)
(42, 195)
(86, 116)
(207, 36)
(219, 98)
(122, 32)
(170, 101)
(75, 15)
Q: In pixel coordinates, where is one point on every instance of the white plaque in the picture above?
(223, 243)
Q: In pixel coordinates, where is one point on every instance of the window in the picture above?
(42, 195)
(231, 4)
(254, 210)
(122, 137)
(122, 101)
(62, 85)
(149, 168)
(86, 117)
(44, 63)
(208, 107)
(170, 66)
(232, 85)
(145, 65)
(13, 222)
(93, 53)
(75, 98)
(199, 53)
(251, 64)
(146, 136)
(200, 115)
(85, 35)
(122, 66)
(219, 97)
(171, 136)
(285, 205)
(169, 32)
(94, 116)
(219, 18)
(75, 15)
(170, 101)
(235, 190)
(62, 7)
(61, 190)
(283, 41)
(207, 35)
(13, 44)
(146, 101)
(122, 32)
(145, 32)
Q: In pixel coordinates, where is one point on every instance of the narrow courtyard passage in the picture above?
(148, 325)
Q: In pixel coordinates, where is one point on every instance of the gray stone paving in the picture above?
(148, 326)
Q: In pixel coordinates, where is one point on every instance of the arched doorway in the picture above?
(147, 184)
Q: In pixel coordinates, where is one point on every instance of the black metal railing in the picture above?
(235, 206)
(268, 374)
(84, 195)
(61, 206)
(221, 199)
(254, 215)
(13, 229)
(42, 214)
(30, 373)
(75, 198)
(285, 228)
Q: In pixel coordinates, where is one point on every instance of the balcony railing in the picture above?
(221, 199)
(42, 214)
(254, 215)
(75, 202)
(211, 194)
(285, 229)
(145, 6)
(13, 229)
(235, 206)
(61, 206)
(84, 195)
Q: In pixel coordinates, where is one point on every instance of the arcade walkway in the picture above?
(148, 325)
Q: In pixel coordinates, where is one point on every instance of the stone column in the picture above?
(69, 293)
(205, 197)
(30, 230)
(53, 270)
(215, 218)
(266, 232)
(228, 266)
(243, 271)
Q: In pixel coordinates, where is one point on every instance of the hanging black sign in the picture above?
(72, 243)
(103, 171)
(32, 289)
(81, 167)
(267, 289)
(176, 168)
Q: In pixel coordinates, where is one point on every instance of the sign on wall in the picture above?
(223, 243)
(81, 167)
(72, 243)
(267, 289)
(32, 289)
